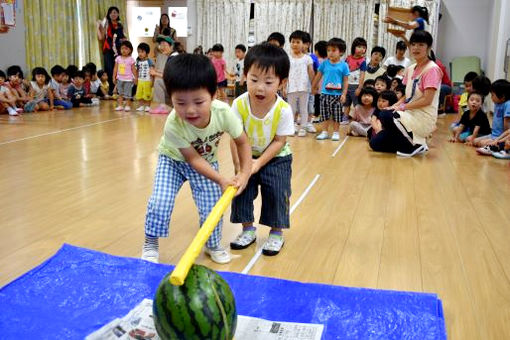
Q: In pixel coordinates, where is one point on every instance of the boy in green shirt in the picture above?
(187, 151)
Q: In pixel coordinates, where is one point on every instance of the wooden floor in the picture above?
(439, 223)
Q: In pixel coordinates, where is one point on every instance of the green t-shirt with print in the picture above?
(179, 134)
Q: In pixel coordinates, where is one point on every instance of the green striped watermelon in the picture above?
(202, 308)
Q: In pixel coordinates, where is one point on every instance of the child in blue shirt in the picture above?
(334, 74)
(500, 95)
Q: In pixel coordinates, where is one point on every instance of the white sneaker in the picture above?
(310, 128)
(119, 108)
(301, 133)
(335, 136)
(147, 108)
(418, 151)
(219, 255)
(150, 255)
(127, 108)
(323, 135)
(273, 245)
(141, 108)
(12, 112)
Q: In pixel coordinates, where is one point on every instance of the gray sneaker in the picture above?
(273, 245)
(245, 239)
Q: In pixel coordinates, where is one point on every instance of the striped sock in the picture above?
(249, 228)
(151, 243)
(276, 232)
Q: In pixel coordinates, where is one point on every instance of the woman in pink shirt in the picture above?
(221, 69)
(404, 128)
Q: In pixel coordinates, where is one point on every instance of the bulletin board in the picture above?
(7, 15)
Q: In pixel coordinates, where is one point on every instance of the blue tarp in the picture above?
(78, 290)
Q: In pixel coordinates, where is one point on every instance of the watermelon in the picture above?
(202, 308)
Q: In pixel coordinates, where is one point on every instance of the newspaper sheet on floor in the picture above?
(139, 324)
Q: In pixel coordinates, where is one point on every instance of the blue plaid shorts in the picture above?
(169, 178)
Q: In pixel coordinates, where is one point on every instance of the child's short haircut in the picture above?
(278, 37)
(241, 47)
(379, 49)
(56, 70)
(481, 84)
(41, 71)
(384, 79)
(478, 94)
(78, 74)
(307, 38)
(128, 44)
(100, 73)
(369, 83)
(337, 43)
(322, 48)
(358, 42)
(501, 88)
(370, 91)
(2, 74)
(14, 70)
(188, 72)
(392, 70)
(398, 80)
(218, 48)
(298, 35)
(390, 96)
(266, 57)
(144, 47)
(90, 67)
(71, 70)
(401, 88)
(470, 76)
(401, 46)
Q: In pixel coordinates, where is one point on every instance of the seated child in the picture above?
(104, 86)
(15, 85)
(188, 152)
(473, 123)
(7, 99)
(76, 91)
(400, 91)
(386, 99)
(268, 121)
(362, 116)
(57, 73)
(40, 91)
(500, 94)
(382, 83)
(468, 88)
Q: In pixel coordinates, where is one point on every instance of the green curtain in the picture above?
(53, 38)
(51, 35)
(92, 11)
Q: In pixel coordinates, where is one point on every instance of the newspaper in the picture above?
(139, 324)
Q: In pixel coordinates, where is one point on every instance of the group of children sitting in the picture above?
(65, 89)
(70, 87)
(472, 126)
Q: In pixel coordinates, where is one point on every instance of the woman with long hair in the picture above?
(111, 32)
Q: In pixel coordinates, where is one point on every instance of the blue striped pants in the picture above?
(169, 178)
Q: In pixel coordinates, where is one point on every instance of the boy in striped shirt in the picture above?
(267, 120)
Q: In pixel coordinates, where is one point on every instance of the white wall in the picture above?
(12, 43)
(500, 33)
(464, 29)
